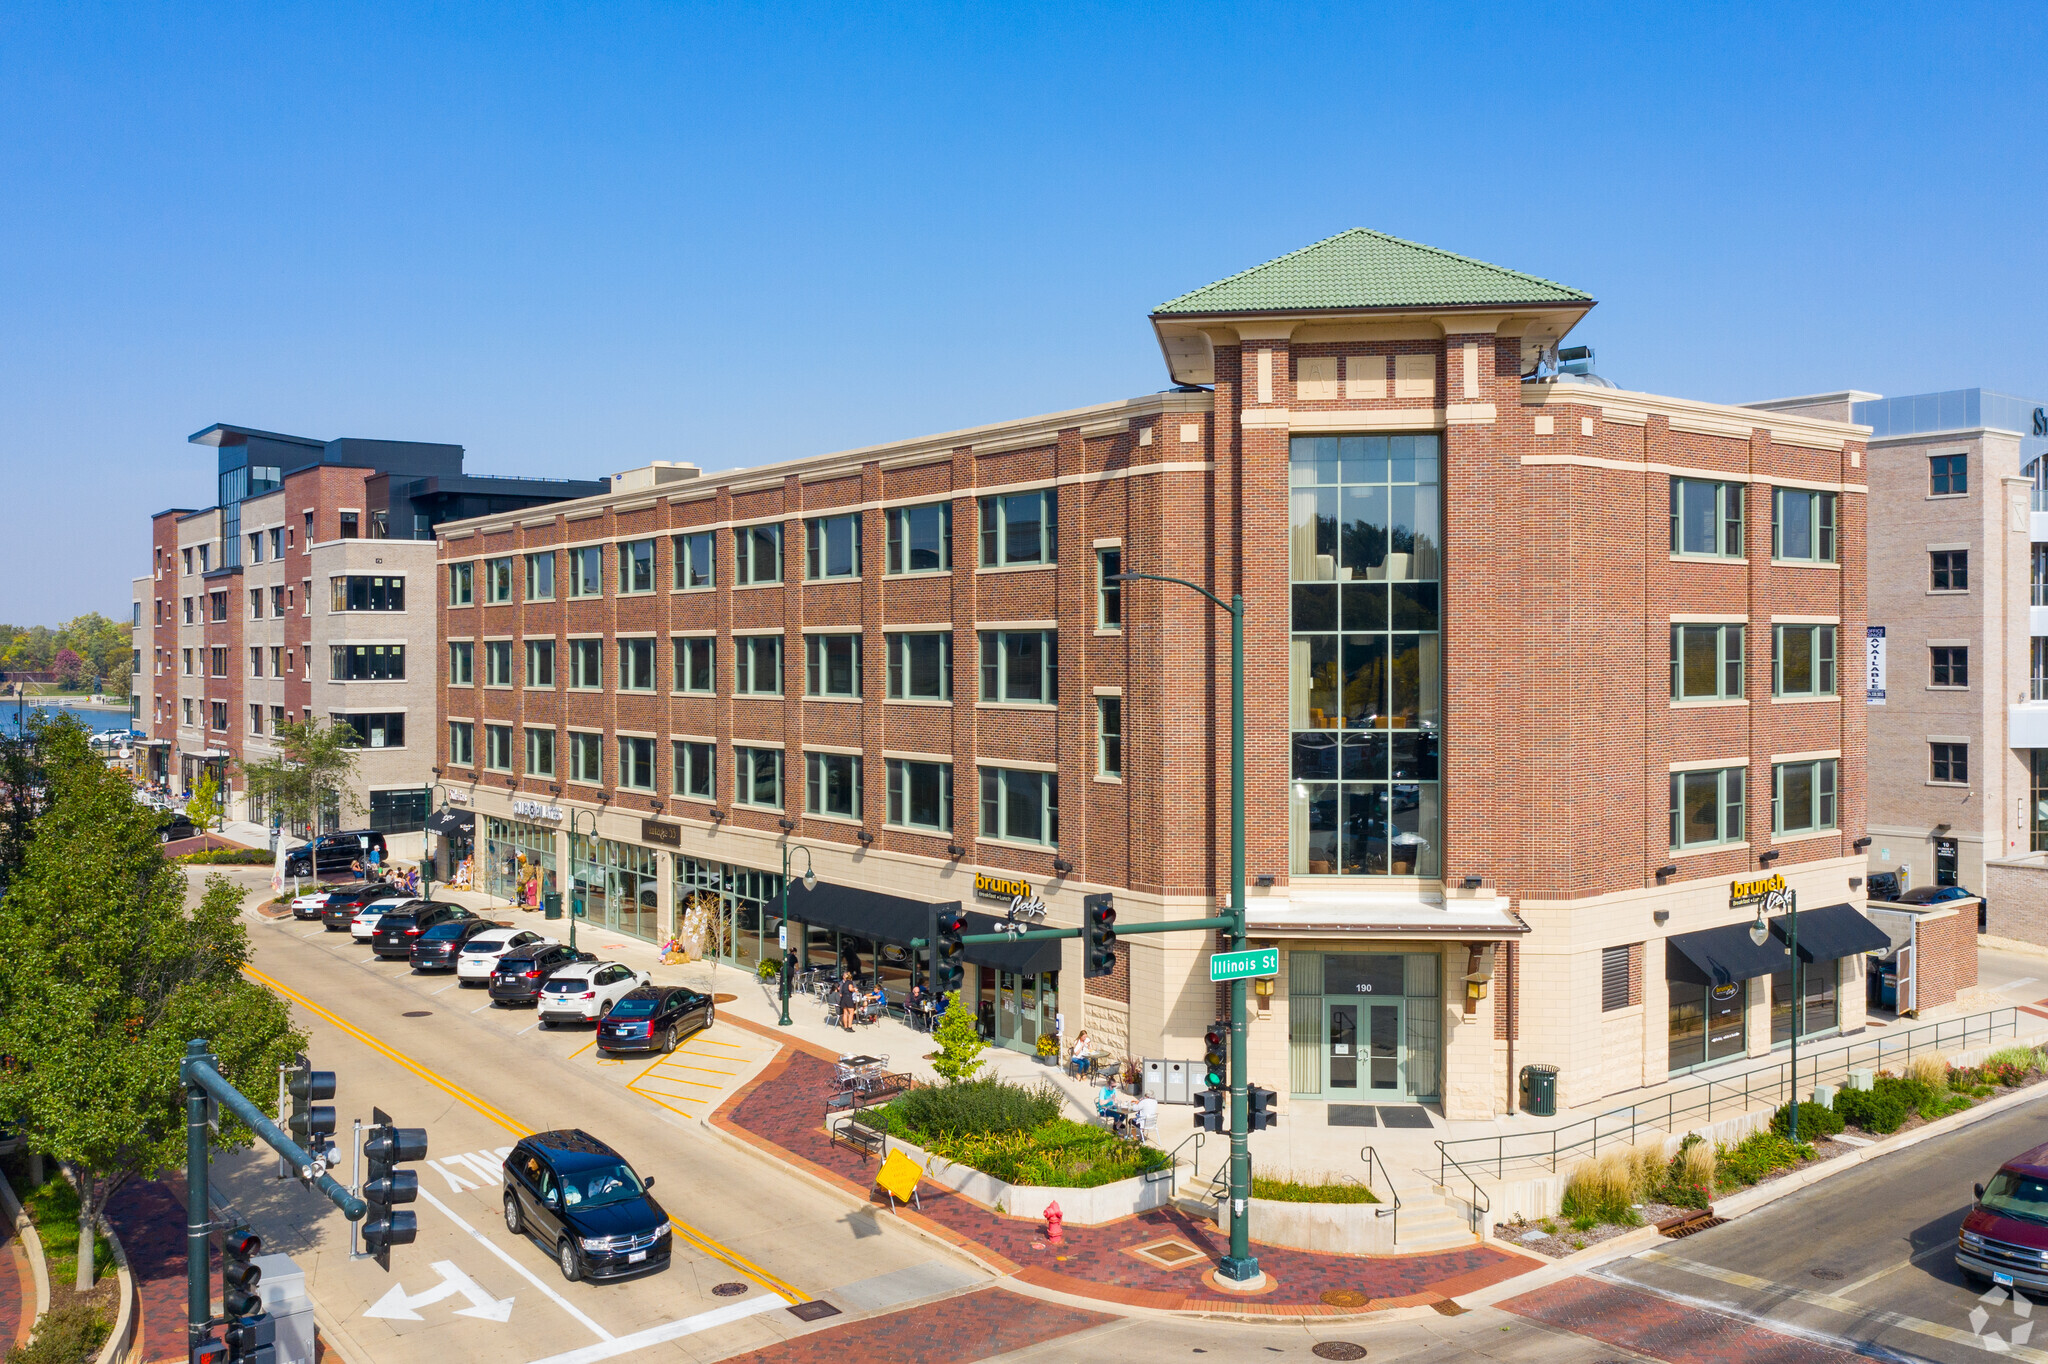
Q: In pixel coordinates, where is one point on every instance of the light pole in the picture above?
(426, 875)
(810, 883)
(576, 901)
(1240, 1265)
(1758, 933)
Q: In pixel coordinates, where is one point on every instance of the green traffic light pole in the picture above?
(427, 877)
(201, 1077)
(1759, 933)
(1240, 1266)
(810, 882)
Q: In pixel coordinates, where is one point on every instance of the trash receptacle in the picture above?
(1539, 1090)
(552, 903)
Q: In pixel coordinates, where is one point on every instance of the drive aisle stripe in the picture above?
(689, 1233)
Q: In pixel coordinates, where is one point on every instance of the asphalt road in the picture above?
(1865, 1258)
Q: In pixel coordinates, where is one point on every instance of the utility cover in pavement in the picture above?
(1352, 1115)
(1404, 1117)
(817, 1309)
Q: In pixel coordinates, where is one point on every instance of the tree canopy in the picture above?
(100, 648)
(313, 773)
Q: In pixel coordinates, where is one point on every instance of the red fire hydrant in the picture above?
(1053, 1217)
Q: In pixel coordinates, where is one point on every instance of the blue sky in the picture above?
(575, 238)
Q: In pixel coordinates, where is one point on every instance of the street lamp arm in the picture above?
(1162, 578)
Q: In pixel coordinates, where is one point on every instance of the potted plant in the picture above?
(1133, 1076)
(1048, 1049)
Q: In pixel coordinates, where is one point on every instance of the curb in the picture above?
(121, 1340)
(31, 1244)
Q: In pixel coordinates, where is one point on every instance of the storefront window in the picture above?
(519, 861)
(618, 884)
(2039, 763)
(728, 913)
(1822, 1012)
(1366, 1025)
(1707, 1023)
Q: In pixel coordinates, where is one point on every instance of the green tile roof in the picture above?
(1365, 269)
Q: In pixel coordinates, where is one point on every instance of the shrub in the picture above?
(767, 970)
(1646, 1171)
(1929, 1070)
(973, 1107)
(2010, 1066)
(1816, 1121)
(1756, 1155)
(1602, 1188)
(66, 1335)
(1912, 1094)
(240, 857)
(960, 1042)
(1875, 1111)
(1059, 1154)
(1286, 1188)
(1689, 1179)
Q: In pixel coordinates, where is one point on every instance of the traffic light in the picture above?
(1216, 1056)
(1261, 1112)
(312, 1125)
(239, 1277)
(948, 956)
(1209, 1112)
(1098, 931)
(384, 1146)
(251, 1340)
(210, 1351)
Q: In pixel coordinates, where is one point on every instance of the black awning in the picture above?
(1025, 958)
(1834, 931)
(452, 823)
(863, 913)
(1722, 956)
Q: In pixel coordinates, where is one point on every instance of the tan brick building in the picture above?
(1544, 680)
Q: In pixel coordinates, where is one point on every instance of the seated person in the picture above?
(1148, 1115)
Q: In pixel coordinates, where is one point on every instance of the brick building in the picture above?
(287, 599)
(1543, 694)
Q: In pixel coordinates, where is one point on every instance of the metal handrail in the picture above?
(1736, 1094)
(1173, 1159)
(1373, 1162)
(1479, 1202)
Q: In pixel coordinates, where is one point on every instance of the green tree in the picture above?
(313, 773)
(105, 978)
(203, 805)
(960, 1042)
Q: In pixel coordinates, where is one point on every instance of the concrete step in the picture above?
(1427, 1222)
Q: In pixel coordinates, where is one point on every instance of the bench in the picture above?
(872, 1090)
(868, 1140)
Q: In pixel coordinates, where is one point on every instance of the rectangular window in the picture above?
(277, 720)
(636, 763)
(220, 605)
(1706, 518)
(1706, 808)
(1109, 595)
(1803, 660)
(695, 664)
(276, 660)
(1951, 667)
(694, 561)
(636, 665)
(187, 555)
(188, 711)
(498, 663)
(255, 603)
(759, 777)
(498, 579)
(219, 658)
(1109, 735)
(256, 557)
(832, 665)
(921, 538)
(832, 547)
(2040, 679)
(636, 566)
(540, 576)
(921, 667)
(586, 571)
(1615, 992)
(921, 795)
(351, 525)
(757, 553)
(461, 584)
(540, 753)
(2039, 576)
(188, 611)
(1802, 525)
(1949, 570)
(309, 533)
(832, 784)
(386, 730)
(586, 664)
(277, 542)
(498, 748)
(277, 601)
(1803, 796)
(255, 664)
(1020, 806)
(586, 759)
(220, 716)
(1019, 528)
(1706, 662)
(188, 661)
(758, 665)
(540, 663)
(1949, 763)
(204, 552)
(696, 769)
(255, 712)
(462, 664)
(1948, 475)
(1020, 666)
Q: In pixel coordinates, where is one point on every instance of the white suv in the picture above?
(480, 954)
(585, 992)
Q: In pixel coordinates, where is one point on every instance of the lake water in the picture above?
(95, 719)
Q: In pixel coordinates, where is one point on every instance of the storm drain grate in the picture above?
(417, 1013)
(1829, 1274)
(728, 1290)
(1690, 1227)
(1338, 1349)
(817, 1309)
(1344, 1297)
(1446, 1308)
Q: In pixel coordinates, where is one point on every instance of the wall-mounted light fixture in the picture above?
(954, 850)
(788, 825)
(864, 836)
(1262, 990)
(1942, 827)
(1263, 881)
(1474, 882)
(1662, 916)
(1062, 866)
(1860, 844)
(1668, 869)
(1769, 855)
(717, 813)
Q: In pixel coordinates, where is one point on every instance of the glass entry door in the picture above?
(1365, 1048)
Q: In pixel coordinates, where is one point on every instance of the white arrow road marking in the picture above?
(456, 1183)
(521, 1270)
(398, 1305)
(2016, 984)
(674, 1330)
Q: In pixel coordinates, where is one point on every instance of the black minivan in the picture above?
(579, 1198)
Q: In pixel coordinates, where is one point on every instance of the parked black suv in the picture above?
(398, 930)
(436, 948)
(521, 973)
(652, 1017)
(334, 853)
(579, 1198)
(174, 827)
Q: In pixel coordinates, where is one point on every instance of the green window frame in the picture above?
(920, 666)
(1706, 662)
(1803, 660)
(586, 758)
(921, 795)
(832, 665)
(832, 547)
(636, 567)
(1109, 596)
(696, 664)
(586, 571)
(757, 665)
(920, 539)
(540, 576)
(1706, 519)
(461, 664)
(1803, 526)
(1020, 528)
(757, 778)
(1109, 736)
(498, 579)
(461, 587)
(636, 763)
(636, 664)
(1803, 796)
(498, 748)
(696, 561)
(1020, 667)
(757, 553)
(1020, 806)
(695, 769)
(1707, 808)
(586, 665)
(498, 663)
(540, 752)
(461, 742)
(540, 664)
(832, 785)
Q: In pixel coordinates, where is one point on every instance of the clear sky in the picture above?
(573, 238)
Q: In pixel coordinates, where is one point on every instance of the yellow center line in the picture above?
(683, 1229)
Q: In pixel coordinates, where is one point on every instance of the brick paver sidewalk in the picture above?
(972, 1326)
(17, 1290)
(149, 1217)
(1662, 1329)
(783, 1110)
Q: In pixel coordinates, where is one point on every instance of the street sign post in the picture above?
(1257, 961)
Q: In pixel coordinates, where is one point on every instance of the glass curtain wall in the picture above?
(519, 860)
(1365, 677)
(1333, 1046)
(618, 884)
(735, 910)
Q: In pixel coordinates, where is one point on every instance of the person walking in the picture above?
(849, 999)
